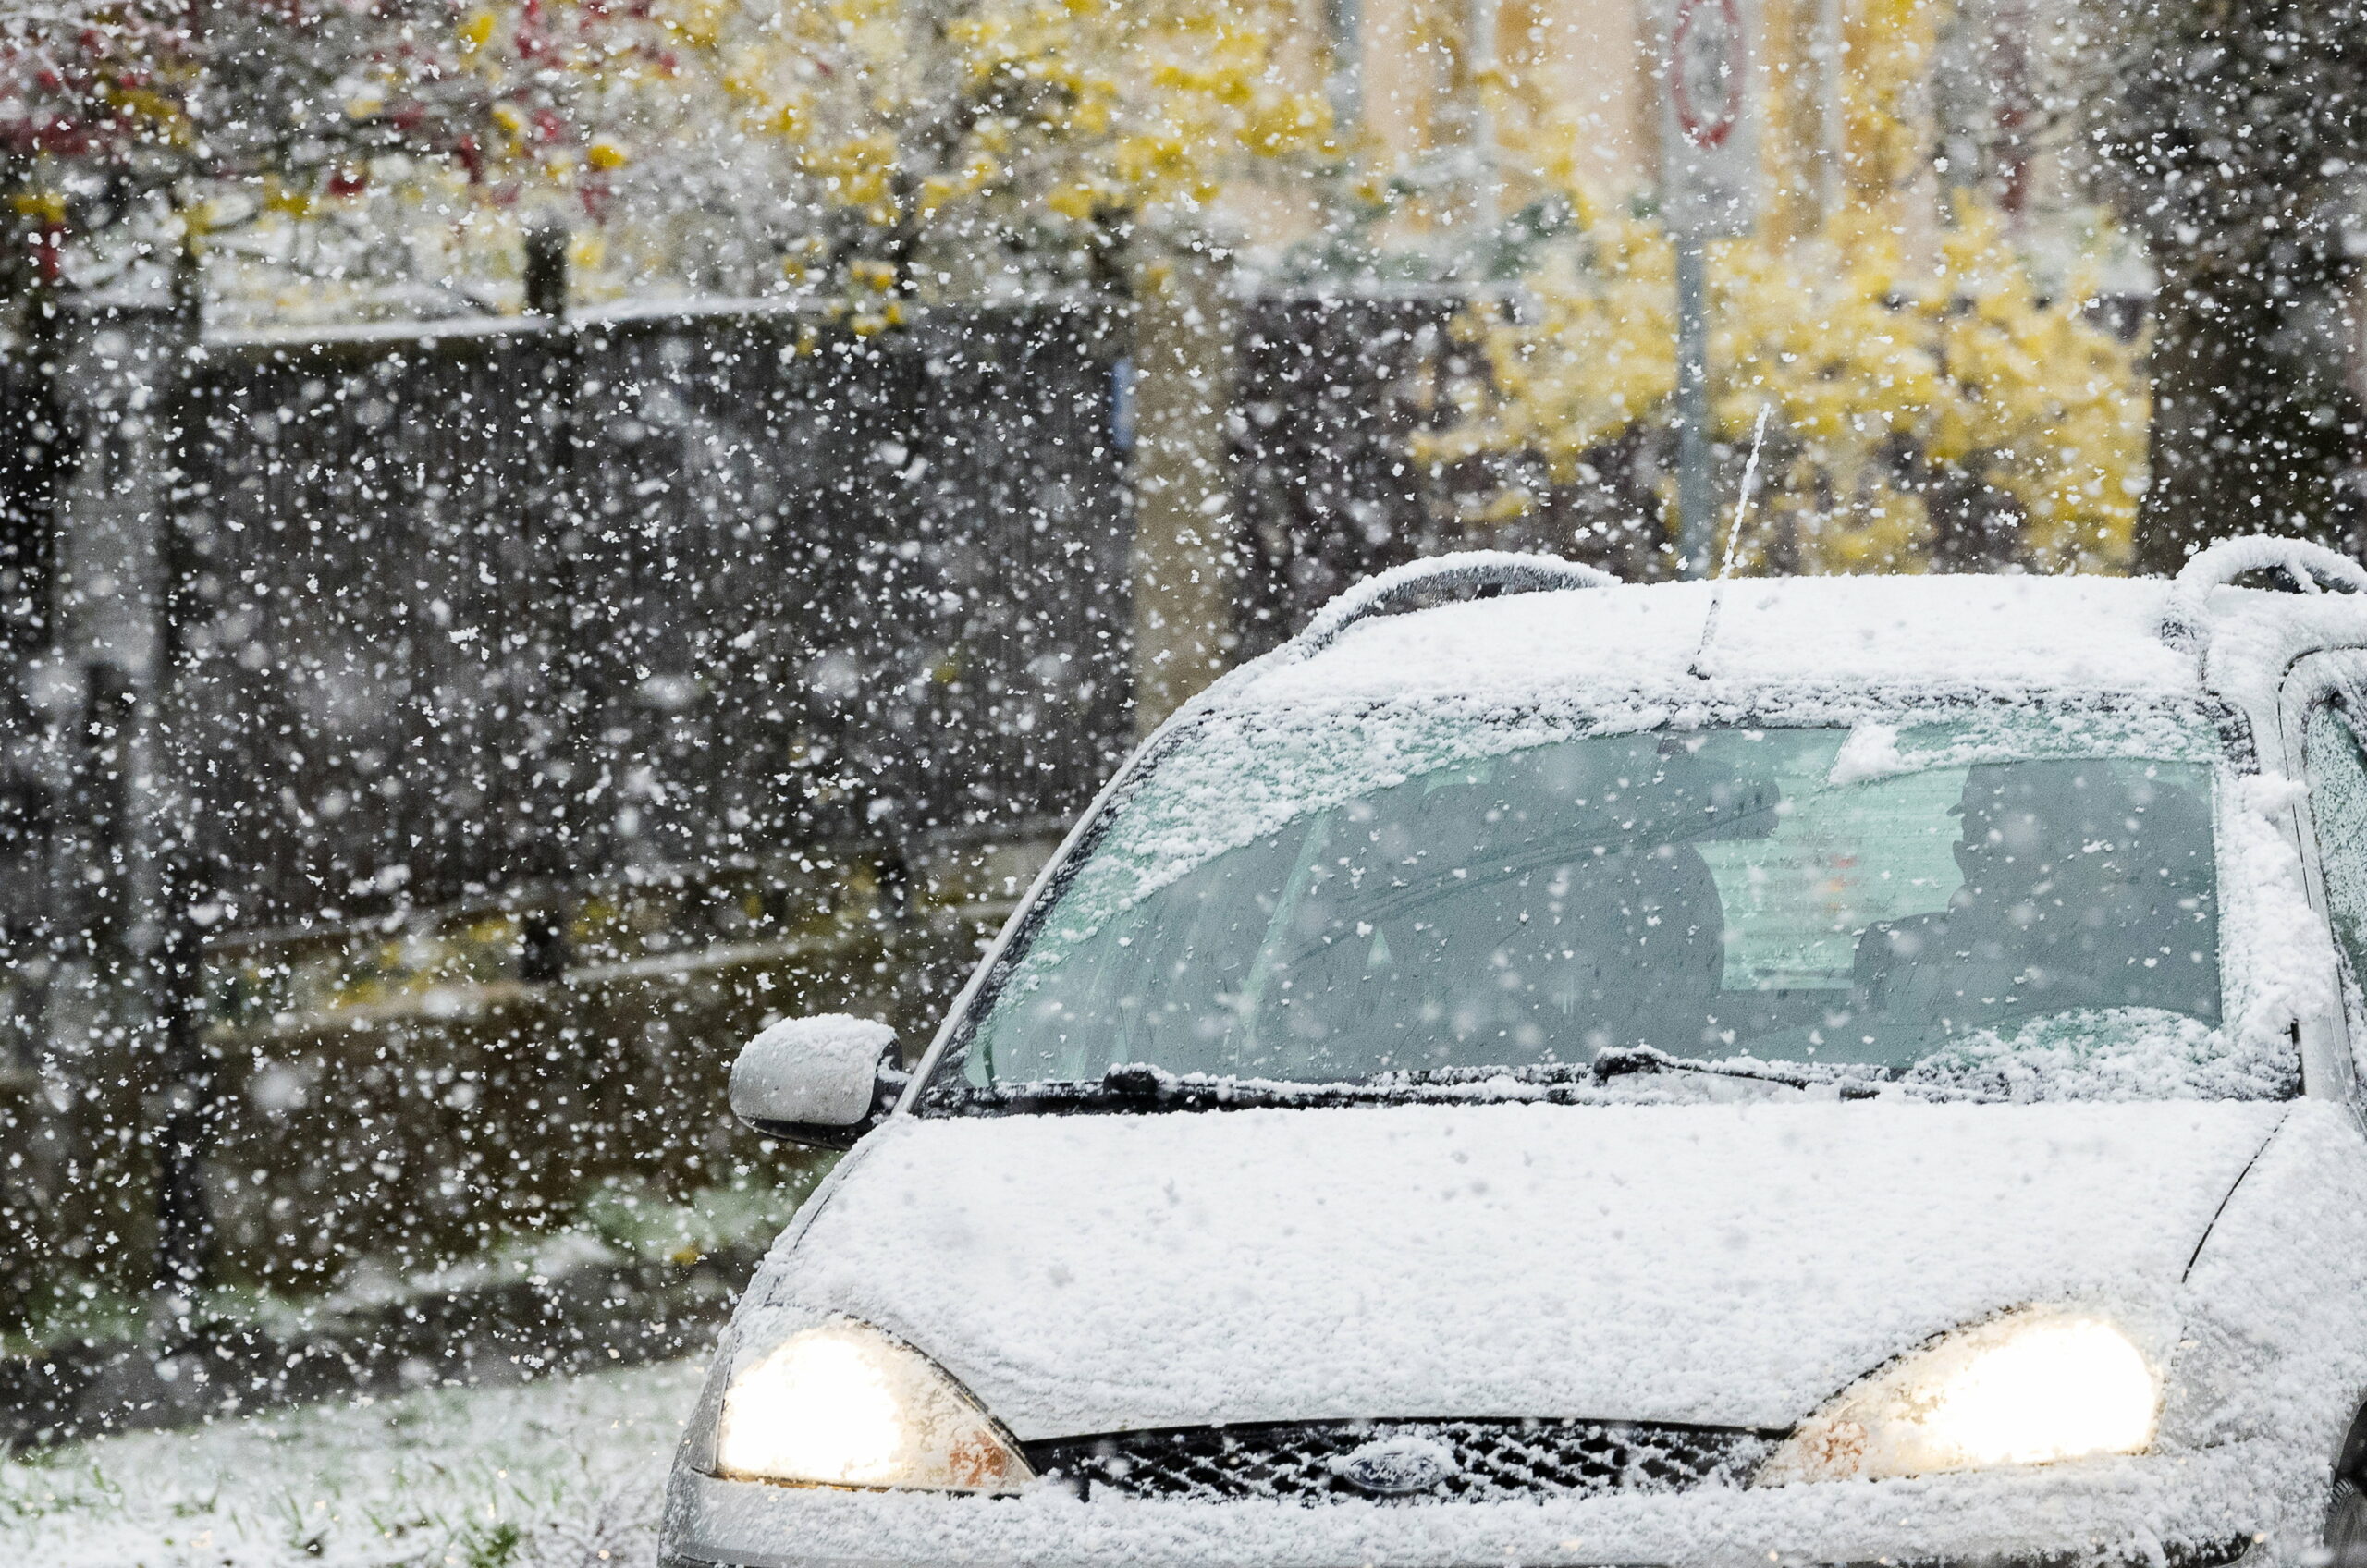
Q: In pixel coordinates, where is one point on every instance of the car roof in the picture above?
(2143, 638)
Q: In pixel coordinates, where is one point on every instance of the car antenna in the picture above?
(1733, 543)
(1742, 502)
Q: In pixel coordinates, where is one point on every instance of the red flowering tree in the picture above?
(131, 128)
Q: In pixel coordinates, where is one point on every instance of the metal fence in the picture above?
(695, 637)
(687, 592)
(476, 611)
(484, 625)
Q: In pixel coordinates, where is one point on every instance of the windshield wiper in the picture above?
(1618, 1061)
(1141, 1088)
(1144, 1089)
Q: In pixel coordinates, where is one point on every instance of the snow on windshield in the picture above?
(1325, 900)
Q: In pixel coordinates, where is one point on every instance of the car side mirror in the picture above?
(823, 1081)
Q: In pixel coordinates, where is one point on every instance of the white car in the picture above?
(1824, 1071)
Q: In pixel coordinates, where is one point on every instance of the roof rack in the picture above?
(2308, 564)
(2312, 568)
(1507, 569)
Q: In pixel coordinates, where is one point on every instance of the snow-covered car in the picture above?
(1817, 1072)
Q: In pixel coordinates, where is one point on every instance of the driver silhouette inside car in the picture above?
(2077, 893)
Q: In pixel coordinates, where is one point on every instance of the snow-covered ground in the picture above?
(567, 1472)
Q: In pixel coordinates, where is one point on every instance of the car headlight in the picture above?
(2028, 1389)
(841, 1404)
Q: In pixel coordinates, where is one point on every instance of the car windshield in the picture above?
(2017, 906)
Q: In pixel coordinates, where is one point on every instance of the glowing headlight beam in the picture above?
(2032, 1388)
(843, 1404)
(819, 1408)
(2052, 1392)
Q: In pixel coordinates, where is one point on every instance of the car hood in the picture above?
(1730, 1264)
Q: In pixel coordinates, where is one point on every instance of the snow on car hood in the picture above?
(1720, 1264)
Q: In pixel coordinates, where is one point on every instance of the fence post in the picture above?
(184, 1213)
(545, 274)
(554, 849)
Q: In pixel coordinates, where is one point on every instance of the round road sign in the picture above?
(1706, 70)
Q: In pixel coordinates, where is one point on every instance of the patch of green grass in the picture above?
(490, 1546)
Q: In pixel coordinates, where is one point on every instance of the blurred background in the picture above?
(536, 537)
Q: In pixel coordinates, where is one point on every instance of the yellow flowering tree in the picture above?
(1951, 412)
(1945, 408)
(1000, 146)
(873, 152)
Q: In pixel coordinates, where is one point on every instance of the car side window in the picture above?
(2336, 766)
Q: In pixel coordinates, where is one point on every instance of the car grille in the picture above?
(1490, 1461)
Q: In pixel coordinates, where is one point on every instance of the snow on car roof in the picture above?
(1954, 632)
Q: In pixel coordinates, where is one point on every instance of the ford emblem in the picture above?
(1396, 1467)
